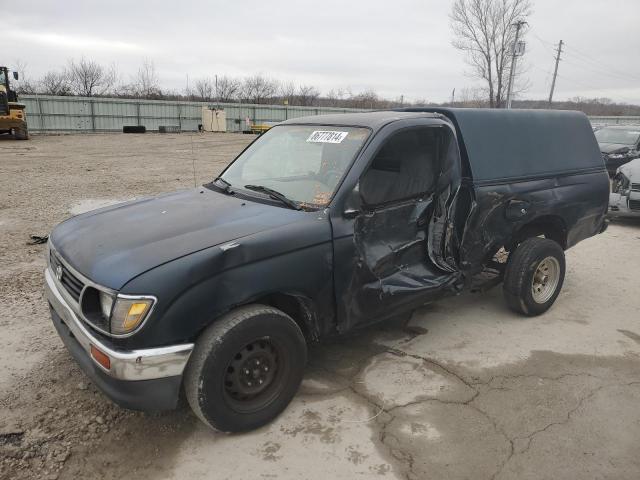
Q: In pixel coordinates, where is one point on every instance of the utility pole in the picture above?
(453, 97)
(512, 72)
(555, 73)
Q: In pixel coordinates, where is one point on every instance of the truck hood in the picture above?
(112, 245)
(613, 147)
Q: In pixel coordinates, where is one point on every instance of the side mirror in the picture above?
(353, 203)
(15, 76)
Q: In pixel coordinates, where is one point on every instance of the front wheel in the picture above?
(534, 276)
(245, 368)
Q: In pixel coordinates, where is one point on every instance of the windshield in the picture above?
(618, 135)
(3, 80)
(302, 162)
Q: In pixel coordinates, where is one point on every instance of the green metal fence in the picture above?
(47, 113)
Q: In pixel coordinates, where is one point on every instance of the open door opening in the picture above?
(405, 243)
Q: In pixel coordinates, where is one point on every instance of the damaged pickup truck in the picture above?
(321, 226)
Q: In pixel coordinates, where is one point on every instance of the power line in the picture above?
(544, 43)
(594, 64)
(578, 55)
(600, 70)
(588, 63)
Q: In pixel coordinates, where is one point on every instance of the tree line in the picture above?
(88, 78)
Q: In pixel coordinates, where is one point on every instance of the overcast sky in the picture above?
(396, 47)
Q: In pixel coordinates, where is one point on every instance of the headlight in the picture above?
(115, 314)
(106, 302)
(128, 313)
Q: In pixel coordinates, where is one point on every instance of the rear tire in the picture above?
(245, 368)
(534, 276)
(21, 133)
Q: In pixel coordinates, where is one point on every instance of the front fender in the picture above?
(194, 290)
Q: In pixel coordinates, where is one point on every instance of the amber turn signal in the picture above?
(135, 315)
(128, 314)
(100, 357)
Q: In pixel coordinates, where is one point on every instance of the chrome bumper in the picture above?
(132, 365)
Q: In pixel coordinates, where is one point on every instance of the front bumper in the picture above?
(619, 205)
(147, 379)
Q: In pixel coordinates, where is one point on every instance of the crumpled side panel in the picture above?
(393, 266)
(405, 254)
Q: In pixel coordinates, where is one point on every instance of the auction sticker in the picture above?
(327, 136)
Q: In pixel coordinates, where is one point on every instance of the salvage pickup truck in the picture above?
(321, 226)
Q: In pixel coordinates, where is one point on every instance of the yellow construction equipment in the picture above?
(13, 118)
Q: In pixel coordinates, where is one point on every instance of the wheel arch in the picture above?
(301, 309)
(552, 227)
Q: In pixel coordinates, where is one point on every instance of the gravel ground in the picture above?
(463, 389)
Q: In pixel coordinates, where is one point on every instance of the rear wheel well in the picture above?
(300, 309)
(551, 227)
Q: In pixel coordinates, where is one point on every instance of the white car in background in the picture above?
(624, 200)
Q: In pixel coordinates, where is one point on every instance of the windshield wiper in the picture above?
(275, 195)
(227, 185)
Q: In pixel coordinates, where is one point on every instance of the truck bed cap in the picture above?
(501, 144)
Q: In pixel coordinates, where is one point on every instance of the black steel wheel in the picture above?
(255, 375)
(245, 368)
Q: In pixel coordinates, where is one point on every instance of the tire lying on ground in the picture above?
(534, 276)
(245, 368)
(134, 129)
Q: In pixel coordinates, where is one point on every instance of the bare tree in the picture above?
(23, 85)
(471, 97)
(335, 98)
(259, 89)
(484, 30)
(287, 91)
(366, 99)
(420, 102)
(204, 89)
(89, 78)
(227, 88)
(146, 83)
(307, 95)
(55, 83)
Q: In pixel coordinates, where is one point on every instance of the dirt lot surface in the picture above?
(464, 389)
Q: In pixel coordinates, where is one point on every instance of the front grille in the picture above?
(634, 204)
(69, 281)
(635, 187)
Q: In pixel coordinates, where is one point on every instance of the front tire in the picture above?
(534, 276)
(245, 368)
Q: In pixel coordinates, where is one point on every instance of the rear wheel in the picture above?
(534, 276)
(245, 369)
(21, 133)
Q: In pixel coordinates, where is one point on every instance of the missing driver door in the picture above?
(391, 270)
